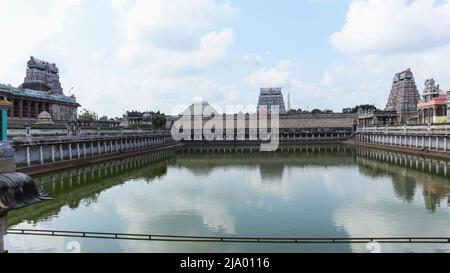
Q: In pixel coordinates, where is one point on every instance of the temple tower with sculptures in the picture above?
(404, 96)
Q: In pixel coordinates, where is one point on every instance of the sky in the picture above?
(119, 55)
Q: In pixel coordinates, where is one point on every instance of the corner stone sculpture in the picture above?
(17, 190)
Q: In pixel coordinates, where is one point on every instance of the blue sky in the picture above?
(271, 25)
(162, 54)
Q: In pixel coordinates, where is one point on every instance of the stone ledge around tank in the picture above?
(7, 160)
(6, 151)
(7, 165)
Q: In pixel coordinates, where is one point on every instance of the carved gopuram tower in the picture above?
(42, 76)
(271, 97)
(404, 95)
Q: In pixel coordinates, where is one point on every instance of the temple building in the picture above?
(404, 96)
(448, 107)
(7, 162)
(40, 92)
(269, 98)
(369, 118)
(433, 107)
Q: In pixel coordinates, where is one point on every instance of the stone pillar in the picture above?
(61, 153)
(28, 156)
(4, 105)
(20, 104)
(3, 229)
(41, 155)
(70, 151)
(78, 151)
(36, 109)
(28, 109)
(11, 110)
(53, 153)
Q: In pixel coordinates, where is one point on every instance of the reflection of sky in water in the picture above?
(333, 194)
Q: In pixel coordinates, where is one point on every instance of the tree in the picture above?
(292, 112)
(347, 110)
(87, 115)
(355, 109)
(316, 111)
(159, 120)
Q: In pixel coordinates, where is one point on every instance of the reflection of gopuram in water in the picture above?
(407, 172)
(84, 185)
(202, 161)
(271, 173)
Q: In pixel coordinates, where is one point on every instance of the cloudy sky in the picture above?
(156, 54)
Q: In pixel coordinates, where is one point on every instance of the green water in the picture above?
(303, 191)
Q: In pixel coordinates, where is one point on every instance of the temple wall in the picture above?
(307, 121)
(63, 112)
(432, 138)
(54, 150)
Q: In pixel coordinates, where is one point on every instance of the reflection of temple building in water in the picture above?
(407, 172)
(404, 187)
(433, 195)
(203, 160)
(271, 173)
(82, 186)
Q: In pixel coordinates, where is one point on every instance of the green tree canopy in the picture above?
(354, 110)
(87, 115)
(159, 120)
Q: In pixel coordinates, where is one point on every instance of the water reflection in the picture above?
(83, 186)
(406, 172)
(202, 161)
(309, 191)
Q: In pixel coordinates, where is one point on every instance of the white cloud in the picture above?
(156, 54)
(383, 37)
(279, 75)
(37, 24)
(393, 26)
(183, 31)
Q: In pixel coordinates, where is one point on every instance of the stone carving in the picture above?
(431, 88)
(42, 76)
(44, 118)
(270, 97)
(404, 95)
(63, 112)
